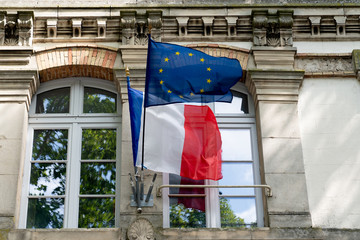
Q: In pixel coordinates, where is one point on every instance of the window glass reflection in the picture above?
(54, 101)
(237, 212)
(239, 105)
(237, 174)
(47, 179)
(236, 144)
(45, 213)
(99, 101)
(98, 144)
(97, 178)
(96, 213)
(50, 144)
(185, 217)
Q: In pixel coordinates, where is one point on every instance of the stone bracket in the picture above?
(356, 62)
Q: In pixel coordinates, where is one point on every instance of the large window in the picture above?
(223, 207)
(70, 170)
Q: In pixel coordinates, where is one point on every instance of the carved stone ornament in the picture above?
(272, 28)
(11, 33)
(324, 64)
(141, 229)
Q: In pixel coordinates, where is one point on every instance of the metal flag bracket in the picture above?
(138, 198)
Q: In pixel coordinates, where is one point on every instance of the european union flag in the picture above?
(178, 74)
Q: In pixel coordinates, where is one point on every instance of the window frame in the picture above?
(212, 203)
(74, 121)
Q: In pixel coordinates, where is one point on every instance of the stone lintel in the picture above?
(15, 55)
(274, 57)
(137, 81)
(274, 85)
(134, 57)
(18, 86)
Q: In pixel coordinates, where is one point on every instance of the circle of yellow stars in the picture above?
(166, 59)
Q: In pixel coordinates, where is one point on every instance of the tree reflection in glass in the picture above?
(98, 144)
(97, 178)
(54, 101)
(99, 101)
(45, 213)
(97, 212)
(50, 144)
(47, 179)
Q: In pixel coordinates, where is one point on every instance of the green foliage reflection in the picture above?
(97, 178)
(45, 213)
(99, 101)
(98, 144)
(54, 101)
(183, 217)
(227, 215)
(96, 213)
(50, 145)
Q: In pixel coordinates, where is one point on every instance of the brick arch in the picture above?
(76, 61)
(219, 50)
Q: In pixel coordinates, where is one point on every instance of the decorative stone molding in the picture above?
(321, 64)
(76, 27)
(274, 58)
(272, 28)
(2, 27)
(356, 62)
(51, 25)
(340, 25)
(136, 26)
(101, 25)
(25, 25)
(141, 229)
(315, 25)
(12, 55)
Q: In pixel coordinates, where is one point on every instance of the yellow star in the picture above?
(181, 96)
(201, 90)
(191, 94)
(209, 69)
(190, 54)
(161, 70)
(177, 53)
(166, 60)
(169, 91)
(161, 82)
(208, 81)
(202, 60)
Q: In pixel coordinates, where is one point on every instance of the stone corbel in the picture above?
(182, 21)
(2, 27)
(340, 25)
(315, 25)
(76, 26)
(260, 24)
(231, 21)
(208, 25)
(101, 25)
(51, 25)
(128, 23)
(155, 21)
(25, 26)
(286, 24)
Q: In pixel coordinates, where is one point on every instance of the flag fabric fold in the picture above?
(176, 74)
(179, 138)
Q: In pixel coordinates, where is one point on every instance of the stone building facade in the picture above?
(301, 63)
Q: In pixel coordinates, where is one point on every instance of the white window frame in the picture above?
(74, 121)
(212, 203)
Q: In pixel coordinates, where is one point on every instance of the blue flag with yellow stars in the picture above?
(177, 74)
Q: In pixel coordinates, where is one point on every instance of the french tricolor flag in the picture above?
(179, 138)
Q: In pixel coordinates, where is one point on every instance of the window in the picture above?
(223, 207)
(70, 176)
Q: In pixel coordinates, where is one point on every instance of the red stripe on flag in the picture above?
(201, 157)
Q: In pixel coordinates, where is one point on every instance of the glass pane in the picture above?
(237, 174)
(50, 144)
(97, 212)
(97, 178)
(99, 101)
(45, 213)
(238, 212)
(47, 179)
(98, 144)
(183, 217)
(54, 101)
(236, 144)
(238, 105)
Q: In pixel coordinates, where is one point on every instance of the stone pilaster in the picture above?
(274, 85)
